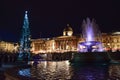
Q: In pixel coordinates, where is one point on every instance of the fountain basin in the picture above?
(90, 57)
(91, 43)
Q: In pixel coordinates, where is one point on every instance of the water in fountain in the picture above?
(92, 36)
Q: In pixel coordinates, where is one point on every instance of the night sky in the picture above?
(48, 18)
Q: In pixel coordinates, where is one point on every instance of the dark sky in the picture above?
(48, 18)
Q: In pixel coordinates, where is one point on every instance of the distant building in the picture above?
(64, 43)
(69, 42)
(111, 41)
(9, 47)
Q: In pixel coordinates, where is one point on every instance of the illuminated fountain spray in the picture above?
(92, 36)
(24, 49)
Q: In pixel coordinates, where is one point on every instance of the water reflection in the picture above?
(90, 72)
(49, 70)
(63, 70)
(114, 72)
(24, 72)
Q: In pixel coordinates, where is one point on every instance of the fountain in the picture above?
(91, 46)
(92, 36)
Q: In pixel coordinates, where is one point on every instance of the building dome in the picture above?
(68, 31)
(116, 33)
(68, 28)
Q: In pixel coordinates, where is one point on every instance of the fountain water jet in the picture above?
(92, 36)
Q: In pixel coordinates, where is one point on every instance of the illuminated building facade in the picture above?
(111, 41)
(69, 42)
(8, 47)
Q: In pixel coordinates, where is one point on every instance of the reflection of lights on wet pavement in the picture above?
(114, 72)
(24, 72)
(62, 70)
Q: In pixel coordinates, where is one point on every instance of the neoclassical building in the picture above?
(111, 41)
(9, 47)
(69, 42)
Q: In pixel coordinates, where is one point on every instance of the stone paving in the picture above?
(5, 66)
(2, 77)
